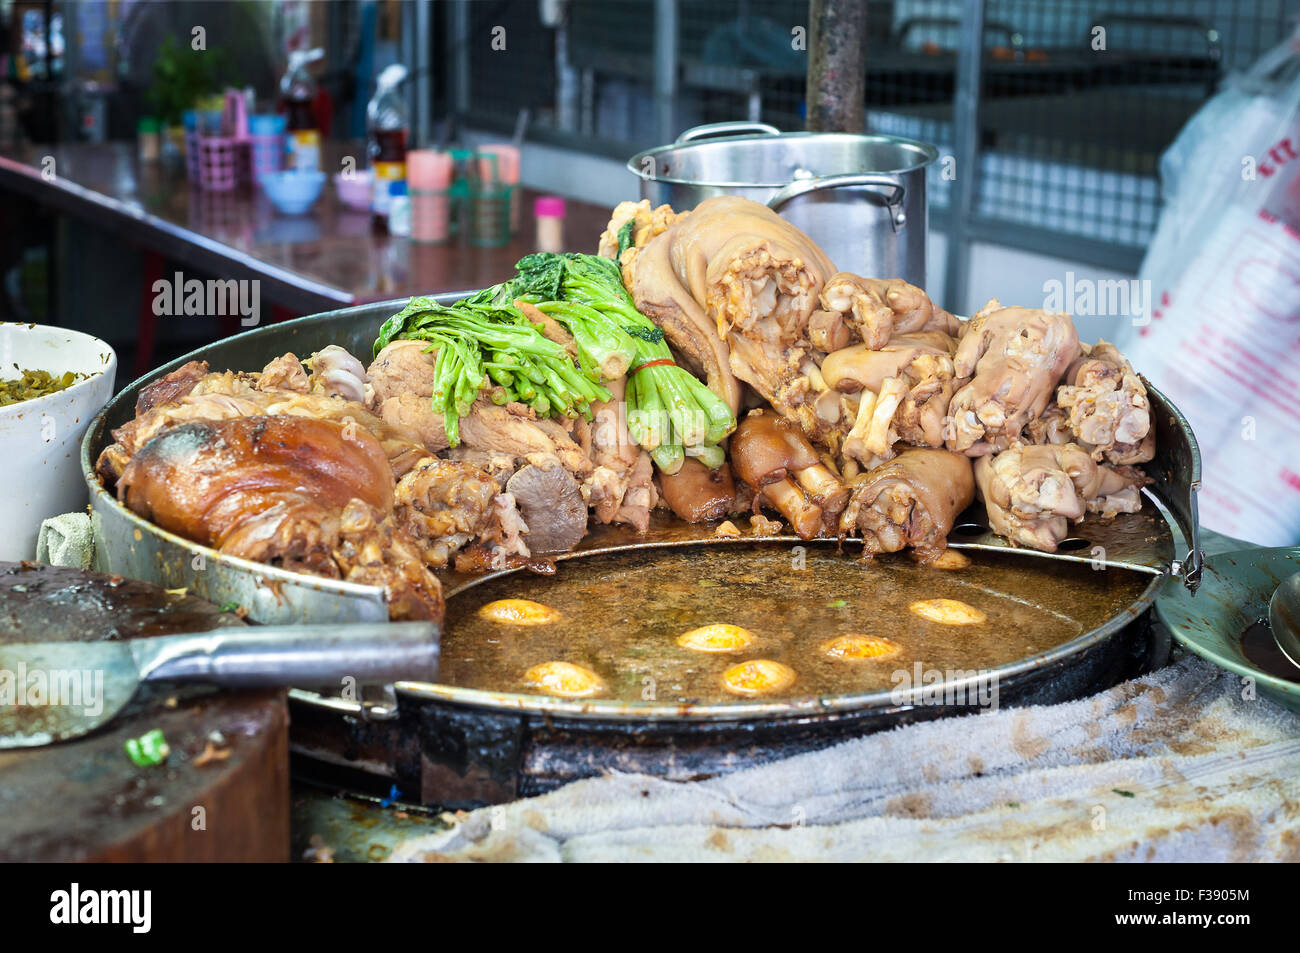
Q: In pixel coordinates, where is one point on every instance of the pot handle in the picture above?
(893, 192)
(726, 129)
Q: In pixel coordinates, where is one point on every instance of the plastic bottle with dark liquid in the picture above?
(297, 93)
(386, 125)
(388, 165)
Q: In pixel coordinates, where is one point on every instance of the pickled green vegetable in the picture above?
(35, 384)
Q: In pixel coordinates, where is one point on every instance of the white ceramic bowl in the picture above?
(40, 440)
(292, 192)
(354, 189)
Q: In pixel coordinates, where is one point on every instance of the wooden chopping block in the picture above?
(85, 799)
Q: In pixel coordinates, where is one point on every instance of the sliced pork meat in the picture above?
(697, 494)
(551, 505)
(500, 466)
(444, 505)
(514, 429)
(733, 285)
(1106, 406)
(503, 536)
(620, 488)
(284, 373)
(334, 373)
(171, 387)
(639, 495)
(1014, 358)
(414, 413)
(403, 368)
(306, 494)
(374, 552)
(875, 309)
(912, 500)
(488, 428)
(774, 458)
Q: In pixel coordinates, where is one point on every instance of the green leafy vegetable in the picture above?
(485, 341)
(480, 344)
(670, 412)
(625, 238)
(649, 335)
(149, 750)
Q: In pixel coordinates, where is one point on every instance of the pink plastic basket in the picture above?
(192, 155)
(223, 163)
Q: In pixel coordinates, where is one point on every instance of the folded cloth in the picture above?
(66, 540)
(1187, 763)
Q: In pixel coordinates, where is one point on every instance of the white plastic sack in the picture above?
(1223, 341)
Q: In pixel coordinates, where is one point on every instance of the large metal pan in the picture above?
(459, 746)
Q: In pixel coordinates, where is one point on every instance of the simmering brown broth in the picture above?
(623, 612)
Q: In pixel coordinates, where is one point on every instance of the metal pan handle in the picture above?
(256, 656)
(1177, 472)
(893, 192)
(726, 129)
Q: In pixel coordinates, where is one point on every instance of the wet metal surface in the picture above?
(1261, 650)
(351, 828)
(41, 603)
(84, 799)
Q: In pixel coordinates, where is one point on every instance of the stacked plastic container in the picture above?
(499, 163)
(429, 179)
(266, 143)
(491, 197)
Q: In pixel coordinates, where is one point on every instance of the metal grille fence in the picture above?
(1077, 99)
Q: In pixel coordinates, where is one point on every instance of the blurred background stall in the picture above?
(1075, 104)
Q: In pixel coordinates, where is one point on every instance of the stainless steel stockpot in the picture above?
(860, 197)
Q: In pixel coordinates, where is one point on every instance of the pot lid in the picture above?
(773, 161)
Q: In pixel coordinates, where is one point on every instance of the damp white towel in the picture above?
(66, 540)
(1184, 764)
